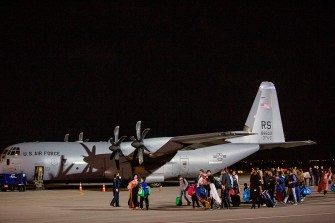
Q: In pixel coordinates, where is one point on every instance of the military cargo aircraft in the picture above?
(159, 158)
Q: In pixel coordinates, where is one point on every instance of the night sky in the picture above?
(182, 68)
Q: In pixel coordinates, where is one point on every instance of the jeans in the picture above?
(183, 192)
(291, 191)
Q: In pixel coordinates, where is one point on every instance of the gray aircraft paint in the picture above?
(85, 161)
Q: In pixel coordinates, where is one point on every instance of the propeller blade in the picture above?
(140, 156)
(135, 154)
(121, 139)
(116, 133)
(117, 155)
(145, 148)
(145, 132)
(112, 156)
(138, 130)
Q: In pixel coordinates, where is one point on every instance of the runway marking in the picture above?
(239, 219)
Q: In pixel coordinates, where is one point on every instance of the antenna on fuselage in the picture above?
(66, 137)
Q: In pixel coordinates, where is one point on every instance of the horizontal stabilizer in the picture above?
(286, 144)
(237, 133)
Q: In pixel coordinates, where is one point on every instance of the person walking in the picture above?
(325, 180)
(144, 186)
(255, 188)
(280, 187)
(183, 186)
(209, 188)
(292, 182)
(116, 187)
(201, 191)
(226, 185)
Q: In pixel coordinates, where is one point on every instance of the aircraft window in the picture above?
(13, 151)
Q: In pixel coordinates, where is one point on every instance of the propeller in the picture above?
(115, 147)
(138, 143)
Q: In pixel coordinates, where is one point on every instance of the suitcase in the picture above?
(267, 199)
(178, 201)
(235, 200)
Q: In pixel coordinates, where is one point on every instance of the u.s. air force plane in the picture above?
(157, 158)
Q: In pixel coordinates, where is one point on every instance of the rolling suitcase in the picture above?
(267, 199)
(235, 200)
(178, 201)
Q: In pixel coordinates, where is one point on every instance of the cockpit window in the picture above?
(13, 151)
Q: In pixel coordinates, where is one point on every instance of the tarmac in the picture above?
(93, 205)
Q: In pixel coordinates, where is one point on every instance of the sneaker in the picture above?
(295, 204)
(283, 203)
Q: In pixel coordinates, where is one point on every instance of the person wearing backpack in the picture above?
(183, 187)
(280, 187)
(292, 182)
(145, 198)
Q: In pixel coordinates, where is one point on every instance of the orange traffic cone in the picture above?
(103, 188)
(80, 187)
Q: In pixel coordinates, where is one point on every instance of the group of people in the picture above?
(286, 186)
(136, 189)
(282, 186)
(204, 189)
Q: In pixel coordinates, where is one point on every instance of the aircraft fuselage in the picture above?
(88, 161)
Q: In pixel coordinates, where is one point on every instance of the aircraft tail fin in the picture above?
(264, 118)
(264, 122)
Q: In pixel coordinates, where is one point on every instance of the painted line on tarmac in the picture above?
(239, 219)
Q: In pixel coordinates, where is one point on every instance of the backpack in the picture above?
(191, 190)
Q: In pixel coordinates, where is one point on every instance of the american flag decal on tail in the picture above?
(265, 106)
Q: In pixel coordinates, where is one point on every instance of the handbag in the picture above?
(305, 191)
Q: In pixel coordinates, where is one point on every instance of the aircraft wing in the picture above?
(191, 142)
(286, 144)
(214, 138)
